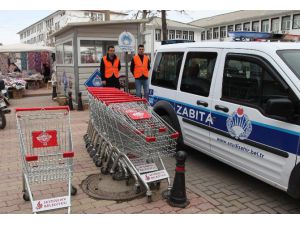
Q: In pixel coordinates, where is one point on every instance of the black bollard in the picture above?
(177, 196)
(70, 101)
(54, 93)
(80, 106)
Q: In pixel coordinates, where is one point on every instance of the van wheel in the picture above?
(180, 144)
(2, 120)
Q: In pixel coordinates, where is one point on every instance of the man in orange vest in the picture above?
(140, 66)
(109, 68)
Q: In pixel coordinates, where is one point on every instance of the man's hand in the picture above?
(104, 82)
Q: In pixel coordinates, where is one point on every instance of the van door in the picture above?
(194, 97)
(243, 133)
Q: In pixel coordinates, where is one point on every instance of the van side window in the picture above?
(166, 69)
(249, 82)
(198, 72)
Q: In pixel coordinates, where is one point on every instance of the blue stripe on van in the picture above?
(283, 139)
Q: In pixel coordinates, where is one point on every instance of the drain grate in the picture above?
(99, 186)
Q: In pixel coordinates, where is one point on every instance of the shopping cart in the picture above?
(126, 138)
(46, 153)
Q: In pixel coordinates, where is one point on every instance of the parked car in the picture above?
(238, 102)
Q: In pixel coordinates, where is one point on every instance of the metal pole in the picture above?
(126, 71)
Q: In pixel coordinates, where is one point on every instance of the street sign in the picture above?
(126, 42)
(94, 80)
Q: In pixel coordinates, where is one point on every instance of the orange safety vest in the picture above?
(140, 68)
(110, 68)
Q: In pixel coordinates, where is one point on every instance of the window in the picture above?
(248, 81)
(185, 35)
(57, 26)
(229, 29)
(96, 16)
(209, 34)
(90, 51)
(166, 69)
(255, 26)
(191, 35)
(246, 27)
(197, 73)
(223, 32)
(265, 26)
(238, 27)
(286, 23)
(158, 35)
(68, 52)
(171, 34)
(291, 58)
(178, 34)
(59, 54)
(86, 14)
(275, 25)
(203, 35)
(21, 36)
(216, 33)
(49, 23)
(296, 21)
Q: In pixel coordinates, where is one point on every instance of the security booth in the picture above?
(80, 47)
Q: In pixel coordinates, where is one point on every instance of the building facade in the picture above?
(272, 21)
(176, 30)
(39, 32)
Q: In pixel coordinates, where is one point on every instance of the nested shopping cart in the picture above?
(126, 138)
(46, 153)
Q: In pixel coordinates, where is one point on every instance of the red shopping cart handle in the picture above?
(43, 108)
(128, 100)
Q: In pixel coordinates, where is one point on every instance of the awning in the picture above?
(20, 47)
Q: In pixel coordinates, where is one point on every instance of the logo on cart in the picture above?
(42, 139)
(238, 125)
(39, 205)
(147, 178)
(137, 114)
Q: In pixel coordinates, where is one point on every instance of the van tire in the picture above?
(294, 183)
(180, 144)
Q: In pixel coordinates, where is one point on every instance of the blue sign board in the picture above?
(94, 80)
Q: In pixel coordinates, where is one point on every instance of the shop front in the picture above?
(80, 47)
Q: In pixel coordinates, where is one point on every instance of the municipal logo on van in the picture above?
(238, 125)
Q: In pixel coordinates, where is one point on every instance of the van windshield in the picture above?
(292, 59)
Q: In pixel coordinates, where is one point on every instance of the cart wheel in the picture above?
(90, 148)
(104, 170)
(95, 158)
(98, 163)
(127, 181)
(26, 197)
(149, 198)
(118, 176)
(137, 189)
(73, 191)
(158, 185)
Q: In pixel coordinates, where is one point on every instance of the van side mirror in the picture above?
(280, 108)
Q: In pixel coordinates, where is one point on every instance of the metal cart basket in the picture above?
(46, 153)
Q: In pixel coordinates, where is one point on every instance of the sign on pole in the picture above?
(94, 80)
(126, 43)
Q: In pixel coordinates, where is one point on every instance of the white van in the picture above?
(238, 102)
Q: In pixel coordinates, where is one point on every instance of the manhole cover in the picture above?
(103, 187)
